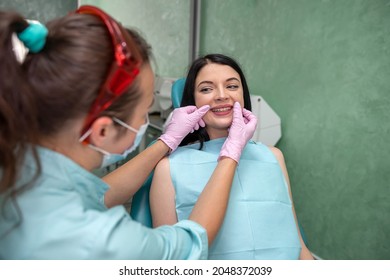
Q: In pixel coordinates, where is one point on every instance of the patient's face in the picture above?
(218, 86)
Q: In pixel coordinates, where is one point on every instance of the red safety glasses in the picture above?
(124, 68)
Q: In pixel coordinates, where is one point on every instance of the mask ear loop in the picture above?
(124, 124)
(128, 126)
(85, 135)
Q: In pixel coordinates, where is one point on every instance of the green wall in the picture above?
(324, 66)
(42, 10)
(164, 23)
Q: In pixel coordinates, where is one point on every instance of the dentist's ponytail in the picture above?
(17, 106)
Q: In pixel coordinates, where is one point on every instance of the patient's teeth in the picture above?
(221, 109)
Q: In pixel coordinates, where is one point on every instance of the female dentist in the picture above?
(79, 101)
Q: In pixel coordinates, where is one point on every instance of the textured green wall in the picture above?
(164, 23)
(324, 66)
(42, 10)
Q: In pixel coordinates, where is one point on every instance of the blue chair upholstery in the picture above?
(140, 207)
(177, 92)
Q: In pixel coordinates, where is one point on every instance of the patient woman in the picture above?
(260, 221)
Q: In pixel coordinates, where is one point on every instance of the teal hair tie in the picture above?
(34, 36)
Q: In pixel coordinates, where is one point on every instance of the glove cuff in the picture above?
(169, 141)
(230, 151)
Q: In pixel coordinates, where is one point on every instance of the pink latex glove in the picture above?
(240, 132)
(184, 120)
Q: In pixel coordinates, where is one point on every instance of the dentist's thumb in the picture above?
(202, 110)
(199, 113)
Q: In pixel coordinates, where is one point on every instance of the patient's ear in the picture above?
(102, 131)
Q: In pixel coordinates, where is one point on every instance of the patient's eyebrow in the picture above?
(204, 82)
(232, 79)
(211, 83)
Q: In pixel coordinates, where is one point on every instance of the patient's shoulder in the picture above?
(279, 157)
(162, 165)
(277, 153)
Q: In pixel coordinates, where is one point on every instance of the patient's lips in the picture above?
(222, 110)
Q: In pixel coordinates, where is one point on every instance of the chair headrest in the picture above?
(177, 92)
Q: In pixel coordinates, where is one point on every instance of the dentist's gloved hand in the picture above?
(184, 120)
(240, 132)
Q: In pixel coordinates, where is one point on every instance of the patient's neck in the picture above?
(216, 133)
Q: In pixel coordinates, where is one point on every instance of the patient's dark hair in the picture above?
(189, 90)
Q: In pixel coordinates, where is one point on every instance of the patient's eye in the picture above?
(233, 87)
(205, 89)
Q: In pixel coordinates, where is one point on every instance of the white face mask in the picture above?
(109, 158)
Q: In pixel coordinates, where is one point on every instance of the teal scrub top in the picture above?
(62, 216)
